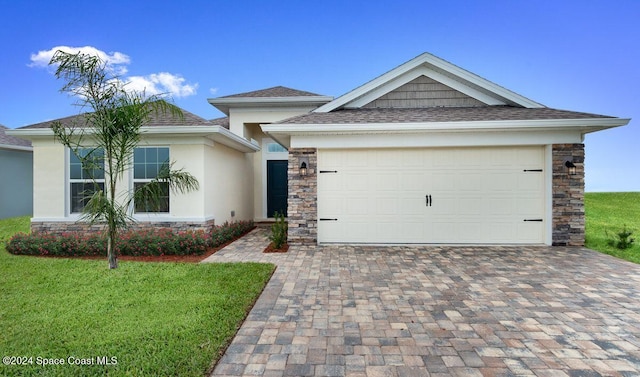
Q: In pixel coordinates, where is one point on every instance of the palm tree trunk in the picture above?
(111, 255)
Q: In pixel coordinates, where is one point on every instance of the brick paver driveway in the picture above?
(436, 311)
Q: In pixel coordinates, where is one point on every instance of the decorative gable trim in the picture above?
(437, 69)
(423, 92)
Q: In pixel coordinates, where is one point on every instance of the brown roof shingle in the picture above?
(12, 140)
(156, 119)
(436, 114)
(224, 122)
(276, 91)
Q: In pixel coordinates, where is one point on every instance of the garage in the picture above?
(460, 195)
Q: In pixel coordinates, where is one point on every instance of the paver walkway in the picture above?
(437, 311)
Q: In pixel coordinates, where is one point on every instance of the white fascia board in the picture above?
(370, 86)
(224, 104)
(16, 147)
(585, 125)
(436, 139)
(430, 61)
(470, 77)
(30, 132)
(217, 133)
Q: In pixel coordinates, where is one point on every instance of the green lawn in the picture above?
(154, 319)
(611, 212)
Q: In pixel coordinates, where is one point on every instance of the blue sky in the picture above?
(575, 55)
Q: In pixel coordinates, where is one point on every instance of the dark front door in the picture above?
(277, 189)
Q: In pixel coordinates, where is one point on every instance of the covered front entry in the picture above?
(432, 195)
(277, 189)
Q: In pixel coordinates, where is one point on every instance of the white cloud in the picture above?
(155, 83)
(161, 83)
(116, 61)
(213, 91)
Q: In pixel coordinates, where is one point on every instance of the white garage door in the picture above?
(435, 195)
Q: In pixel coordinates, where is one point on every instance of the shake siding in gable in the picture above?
(423, 92)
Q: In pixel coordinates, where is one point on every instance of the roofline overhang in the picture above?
(283, 132)
(216, 133)
(224, 104)
(438, 65)
(16, 147)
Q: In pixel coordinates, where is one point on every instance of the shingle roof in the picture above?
(12, 140)
(436, 114)
(156, 119)
(224, 122)
(276, 91)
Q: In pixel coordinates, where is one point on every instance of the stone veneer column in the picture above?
(568, 195)
(302, 205)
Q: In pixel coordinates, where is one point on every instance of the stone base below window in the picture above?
(59, 227)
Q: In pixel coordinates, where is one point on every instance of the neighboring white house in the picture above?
(16, 176)
(425, 153)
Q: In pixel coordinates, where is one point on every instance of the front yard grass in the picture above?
(162, 319)
(610, 212)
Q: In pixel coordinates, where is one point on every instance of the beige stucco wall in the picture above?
(240, 118)
(48, 179)
(191, 158)
(231, 183)
(224, 175)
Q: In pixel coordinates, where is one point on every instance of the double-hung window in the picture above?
(148, 162)
(86, 176)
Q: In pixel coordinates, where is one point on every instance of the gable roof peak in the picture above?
(155, 119)
(275, 91)
(277, 96)
(437, 69)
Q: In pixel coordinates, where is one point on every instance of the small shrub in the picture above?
(279, 231)
(150, 242)
(229, 231)
(623, 241)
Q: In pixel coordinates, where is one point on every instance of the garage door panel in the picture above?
(529, 208)
(356, 181)
(469, 231)
(529, 231)
(530, 181)
(478, 195)
(472, 205)
(386, 182)
(501, 206)
(386, 206)
(357, 206)
(442, 181)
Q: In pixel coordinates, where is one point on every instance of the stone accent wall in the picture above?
(568, 195)
(302, 205)
(59, 227)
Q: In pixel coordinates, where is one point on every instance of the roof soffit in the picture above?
(438, 70)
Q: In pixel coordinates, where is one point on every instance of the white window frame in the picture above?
(70, 181)
(135, 180)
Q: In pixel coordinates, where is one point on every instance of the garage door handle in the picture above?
(539, 220)
(324, 219)
(428, 200)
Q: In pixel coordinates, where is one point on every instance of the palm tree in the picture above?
(113, 131)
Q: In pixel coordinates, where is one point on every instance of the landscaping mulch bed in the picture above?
(162, 258)
(271, 248)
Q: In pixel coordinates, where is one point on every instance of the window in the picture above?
(86, 176)
(275, 148)
(148, 162)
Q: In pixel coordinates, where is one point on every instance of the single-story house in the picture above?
(425, 153)
(16, 175)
